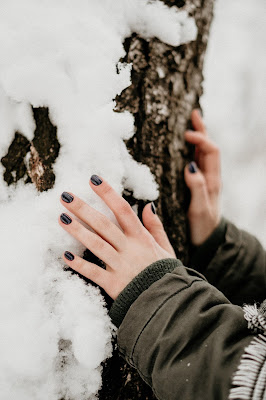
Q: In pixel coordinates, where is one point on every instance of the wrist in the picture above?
(201, 230)
(200, 256)
(139, 284)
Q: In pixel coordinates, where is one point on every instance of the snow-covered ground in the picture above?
(234, 108)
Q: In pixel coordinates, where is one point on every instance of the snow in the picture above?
(63, 55)
(234, 108)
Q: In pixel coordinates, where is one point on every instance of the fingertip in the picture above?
(149, 217)
(153, 208)
(66, 197)
(95, 180)
(192, 167)
(147, 211)
(191, 173)
(197, 120)
(68, 256)
(198, 112)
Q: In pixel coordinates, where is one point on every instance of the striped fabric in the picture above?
(249, 381)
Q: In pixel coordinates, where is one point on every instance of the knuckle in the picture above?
(95, 271)
(156, 224)
(106, 189)
(80, 265)
(196, 213)
(79, 207)
(216, 149)
(200, 182)
(215, 188)
(160, 229)
(104, 223)
(147, 238)
(98, 244)
(214, 185)
(125, 208)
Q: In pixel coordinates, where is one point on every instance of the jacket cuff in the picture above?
(200, 256)
(139, 284)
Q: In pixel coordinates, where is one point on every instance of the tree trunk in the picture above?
(166, 86)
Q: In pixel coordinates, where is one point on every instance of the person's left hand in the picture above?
(126, 251)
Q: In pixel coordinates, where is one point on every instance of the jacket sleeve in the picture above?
(181, 333)
(234, 261)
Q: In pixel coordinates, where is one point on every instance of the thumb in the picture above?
(196, 182)
(154, 225)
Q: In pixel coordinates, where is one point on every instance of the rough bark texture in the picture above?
(166, 86)
(41, 152)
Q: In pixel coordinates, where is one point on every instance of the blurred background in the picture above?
(234, 111)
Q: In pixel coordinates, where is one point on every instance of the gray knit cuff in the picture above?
(141, 282)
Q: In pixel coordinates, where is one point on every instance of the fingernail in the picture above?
(192, 167)
(96, 180)
(153, 208)
(69, 256)
(65, 219)
(66, 197)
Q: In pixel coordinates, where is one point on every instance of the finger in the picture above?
(196, 182)
(91, 271)
(204, 143)
(197, 121)
(154, 225)
(92, 241)
(210, 159)
(99, 222)
(125, 216)
(197, 155)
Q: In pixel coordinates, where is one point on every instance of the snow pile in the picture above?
(55, 330)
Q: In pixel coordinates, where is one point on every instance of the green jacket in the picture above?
(183, 328)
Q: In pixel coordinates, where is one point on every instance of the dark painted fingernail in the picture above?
(69, 256)
(193, 167)
(96, 180)
(65, 219)
(66, 197)
(153, 208)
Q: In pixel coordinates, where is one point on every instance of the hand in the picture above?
(204, 181)
(126, 251)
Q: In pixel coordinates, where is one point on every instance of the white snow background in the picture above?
(234, 102)
(63, 55)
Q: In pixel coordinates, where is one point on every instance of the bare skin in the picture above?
(129, 250)
(205, 185)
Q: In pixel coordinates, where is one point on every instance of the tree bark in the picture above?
(166, 86)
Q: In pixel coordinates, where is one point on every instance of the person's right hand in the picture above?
(203, 177)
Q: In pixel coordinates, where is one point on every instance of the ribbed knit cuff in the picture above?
(200, 256)
(141, 282)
